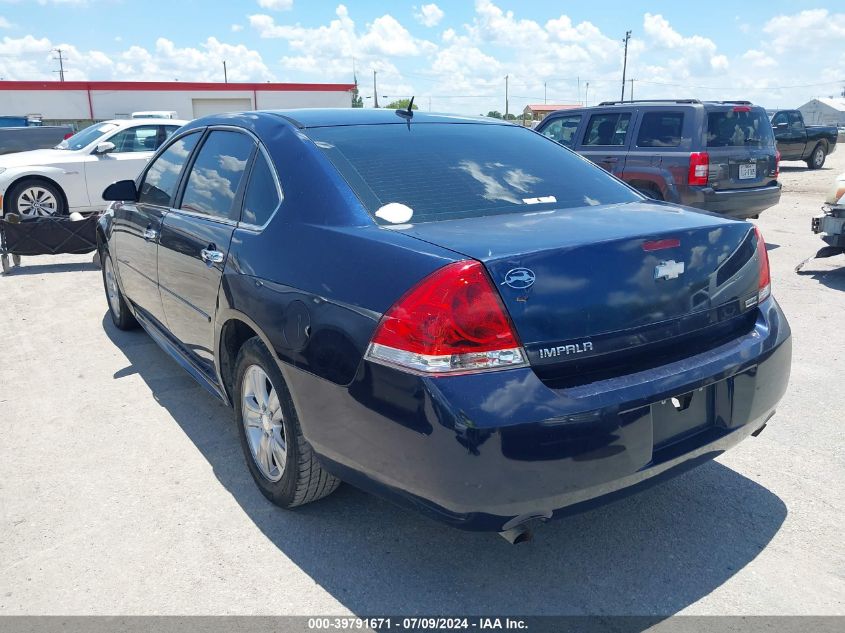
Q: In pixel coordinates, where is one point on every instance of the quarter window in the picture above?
(162, 177)
(262, 194)
(563, 129)
(661, 129)
(216, 174)
(607, 129)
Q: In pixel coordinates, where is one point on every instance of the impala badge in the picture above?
(519, 278)
(668, 270)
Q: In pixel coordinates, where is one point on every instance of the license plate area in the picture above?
(682, 415)
(748, 171)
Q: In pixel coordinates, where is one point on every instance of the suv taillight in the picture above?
(777, 163)
(453, 321)
(765, 285)
(699, 168)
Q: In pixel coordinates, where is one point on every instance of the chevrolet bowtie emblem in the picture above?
(668, 270)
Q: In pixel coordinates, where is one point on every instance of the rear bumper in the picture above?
(485, 451)
(736, 203)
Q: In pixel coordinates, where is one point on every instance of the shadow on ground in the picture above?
(40, 269)
(654, 553)
(832, 278)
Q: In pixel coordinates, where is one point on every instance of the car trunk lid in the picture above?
(595, 288)
(741, 147)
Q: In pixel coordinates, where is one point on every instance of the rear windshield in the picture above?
(426, 172)
(739, 127)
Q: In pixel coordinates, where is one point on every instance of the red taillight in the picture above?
(764, 288)
(777, 163)
(743, 108)
(659, 245)
(699, 168)
(67, 136)
(452, 321)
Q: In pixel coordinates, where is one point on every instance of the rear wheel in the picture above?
(280, 460)
(817, 158)
(36, 198)
(120, 314)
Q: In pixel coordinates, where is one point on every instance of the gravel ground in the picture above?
(123, 490)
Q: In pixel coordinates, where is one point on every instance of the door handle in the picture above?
(211, 256)
(610, 159)
(150, 234)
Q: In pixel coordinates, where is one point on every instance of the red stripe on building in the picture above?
(173, 86)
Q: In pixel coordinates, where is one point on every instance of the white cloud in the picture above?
(276, 5)
(237, 28)
(428, 15)
(758, 59)
(4, 23)
(32, 58)
(807, 28)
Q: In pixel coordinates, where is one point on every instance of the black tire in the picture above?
(817, 158)
(16, 260)
(5, 263)
(41, 185)
(303, 479)
(121, 316)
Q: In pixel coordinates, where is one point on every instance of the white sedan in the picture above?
(72, 176)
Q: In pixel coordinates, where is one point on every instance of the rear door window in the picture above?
(608, 129)
(162, 177)
(563, 129)
(739, 127)
(661, 129)
(216, 175)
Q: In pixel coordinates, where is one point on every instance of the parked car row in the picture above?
(459, 314)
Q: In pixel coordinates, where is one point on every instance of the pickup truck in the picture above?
(796, 141)
(19, 134)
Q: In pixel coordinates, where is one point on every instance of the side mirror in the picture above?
(104, 148)
(121, 191)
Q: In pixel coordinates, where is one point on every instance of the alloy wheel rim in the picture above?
(818, 157)
(263, 423)
(37, 201)
(111, 288)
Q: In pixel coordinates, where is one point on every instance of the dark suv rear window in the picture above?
(739, 126)
(442, 171)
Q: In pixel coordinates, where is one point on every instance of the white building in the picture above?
(824, 112)
(99, 100)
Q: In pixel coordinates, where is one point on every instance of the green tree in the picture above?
(401, 104)
(510, 117)
(357, 100)
(495, 114)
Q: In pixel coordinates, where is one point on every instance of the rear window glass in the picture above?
(438, 171)
(732, 127)
(661, 129)
(607, 129)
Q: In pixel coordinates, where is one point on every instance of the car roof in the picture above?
(328, 117)
(144, 121)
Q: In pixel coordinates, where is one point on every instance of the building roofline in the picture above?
(172, 86)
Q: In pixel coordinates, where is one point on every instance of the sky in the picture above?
(453, 56)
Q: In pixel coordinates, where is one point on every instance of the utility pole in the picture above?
(429, 104)
(225, 73)
(375, 91)
(506, 96)
(545, 100)
(632, 88)
(578, 79)
(625, 62)
(586, 95)
(61, 69)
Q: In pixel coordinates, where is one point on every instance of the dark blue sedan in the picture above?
(457, 314)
